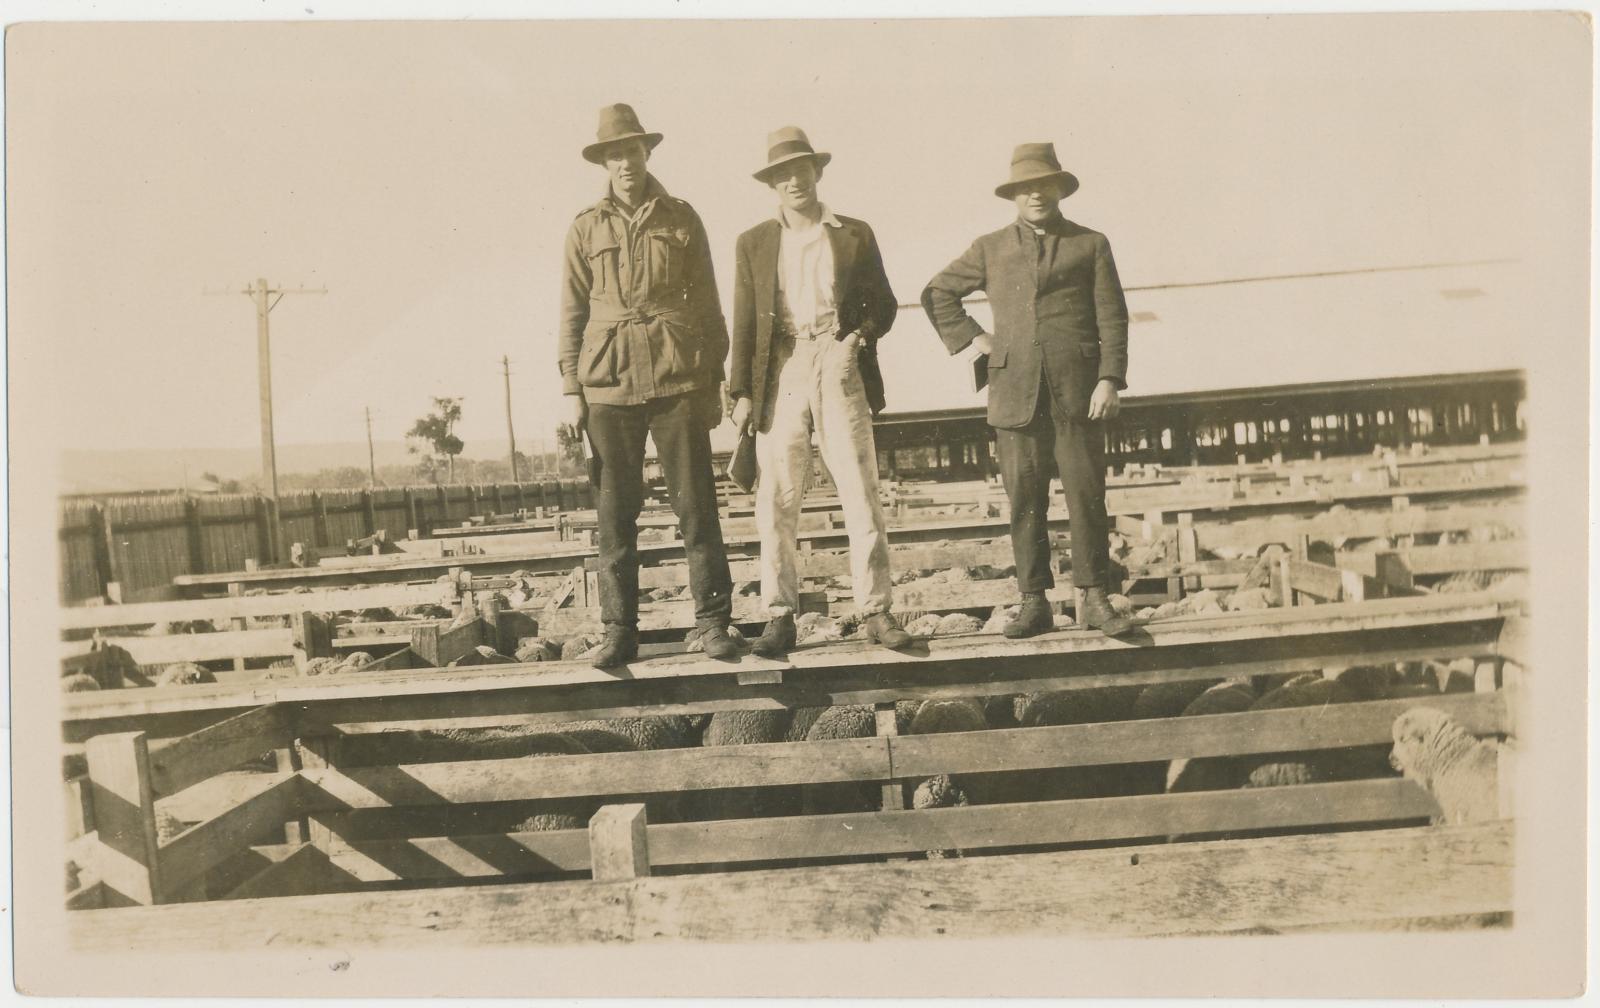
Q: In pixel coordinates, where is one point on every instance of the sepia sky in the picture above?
(426, 173)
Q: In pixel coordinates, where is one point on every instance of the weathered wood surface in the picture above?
(333, 788)
(1270, 883)
(241, 606)
(197, 850)
(1509, 554)
(190, 759)
(1278, 640)
(892, 832)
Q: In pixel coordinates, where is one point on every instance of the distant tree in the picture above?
(570, 444)
(433, 436)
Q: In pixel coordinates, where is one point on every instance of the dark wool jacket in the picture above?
(1058, 312)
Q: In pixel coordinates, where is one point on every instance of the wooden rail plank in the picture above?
(239, 607)
(190, 759)
(303, 871)
(1511, 554)
(1276, 882)
(169, 648)
(859, 834)
(887, 757)
(1292, 729)
(834, 760)
(205, 845)
(1290, 639)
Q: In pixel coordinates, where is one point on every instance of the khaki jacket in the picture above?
(640, 318)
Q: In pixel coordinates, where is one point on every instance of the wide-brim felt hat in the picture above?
(789, 144)
(1031, 162)
(617, 123)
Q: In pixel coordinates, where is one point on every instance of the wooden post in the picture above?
(1484, 677)
(312, 637)
(1352, 586)
(287, 760)
(619, 847)
(894, 794)
(369, 511)
(316, 753)
(1188, 548)
(110, 569)
(236, 590)
(1280, 586)
(194, 541)
(1392, 573)
(319, 520)
(412, 525)
(128, 855)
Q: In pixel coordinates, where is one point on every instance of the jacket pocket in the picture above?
(669, 250)
(997, 357)
(597, 358)
(678, 346)
(603, 267)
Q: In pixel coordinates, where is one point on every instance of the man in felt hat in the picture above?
(810, 302)
(642, 345)
(1057, 359)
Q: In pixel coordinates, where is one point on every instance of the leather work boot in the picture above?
(1032, 619)
(1097, 613)
(883, 628)
(620, 646)
(717, 642)
(777, 638)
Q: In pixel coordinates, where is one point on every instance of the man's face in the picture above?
(796, 184)
(625, 163)
(1036, 201)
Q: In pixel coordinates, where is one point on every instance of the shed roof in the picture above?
(1263, 332)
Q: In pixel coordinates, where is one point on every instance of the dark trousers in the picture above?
(1050, 443)
(683, 447)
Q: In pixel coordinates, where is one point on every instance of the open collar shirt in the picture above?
(805, 276)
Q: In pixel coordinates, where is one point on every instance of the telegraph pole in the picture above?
(505, 364)
(372, 466)
(266, 298)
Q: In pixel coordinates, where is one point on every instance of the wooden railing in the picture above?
(324, 822)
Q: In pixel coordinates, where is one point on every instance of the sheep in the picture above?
(852, 721)
(79, 682)
(184, 674)
(483, 654)
(1458, 770)
(746, 727)
(537, 649)
(1212, 773)
(108, 665)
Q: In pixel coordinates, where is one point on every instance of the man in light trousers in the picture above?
(810, 302)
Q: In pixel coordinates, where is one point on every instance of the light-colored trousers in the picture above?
(819, 388)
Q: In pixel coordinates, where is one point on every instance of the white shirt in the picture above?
(805, 276)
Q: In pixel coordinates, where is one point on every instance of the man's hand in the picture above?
(852, 341)
(984, 342)
(1104, 404)
(741, 416)
(580, 411)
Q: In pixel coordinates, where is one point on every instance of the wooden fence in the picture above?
(139, 544)
(331, 821)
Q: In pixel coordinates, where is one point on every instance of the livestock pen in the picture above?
(348, 839)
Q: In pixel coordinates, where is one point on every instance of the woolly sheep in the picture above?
(483, 654)
(79, 682)
(537, 649)
(184, 674)
(747, 727)
(1453, 766)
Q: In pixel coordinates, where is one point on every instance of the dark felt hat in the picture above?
(617, 122)
(1031, 162)
(789, 144)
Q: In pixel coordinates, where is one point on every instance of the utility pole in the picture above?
(372, 466)
(266, 298)
(505, 364)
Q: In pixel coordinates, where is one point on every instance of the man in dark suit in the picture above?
(1057, 359)
(810, 302)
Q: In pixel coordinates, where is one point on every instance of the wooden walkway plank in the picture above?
(1128, 891)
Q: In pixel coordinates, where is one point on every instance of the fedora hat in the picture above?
(617, 122)
(789, 144)
(1031, 162)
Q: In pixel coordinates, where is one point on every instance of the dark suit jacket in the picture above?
(862, 299)
(1058, 312)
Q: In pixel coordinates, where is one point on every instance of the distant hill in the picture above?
(160, 469)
